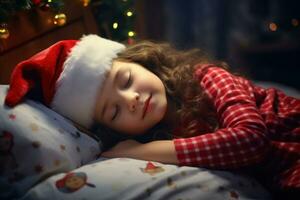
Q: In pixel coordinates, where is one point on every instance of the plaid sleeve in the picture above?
(241, 140)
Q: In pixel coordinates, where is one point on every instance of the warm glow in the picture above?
(4, 33)
(49, 1)
(85, 2)
(60, 19)
(273, 26)
(131, 33)
(115, 25)
(129, 13)
(49, 21)
(295, 22)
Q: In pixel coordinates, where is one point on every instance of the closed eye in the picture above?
(117, 109)
(128, 83)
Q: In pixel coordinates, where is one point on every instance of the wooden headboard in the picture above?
(33, 31)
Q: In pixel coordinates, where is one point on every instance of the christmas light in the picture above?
(85, 2)
(131, 33)
(115, 25)
(45, 7)
(4, 33)
(60, 19)
(273, 26)
(118, 26)
(49, 1)
(129, 13)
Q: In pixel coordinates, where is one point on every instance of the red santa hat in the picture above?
(71, 74)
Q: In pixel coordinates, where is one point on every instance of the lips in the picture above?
(146, 105)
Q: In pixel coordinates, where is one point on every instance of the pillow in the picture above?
(124, 178)
(35, 143)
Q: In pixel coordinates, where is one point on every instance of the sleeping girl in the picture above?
(212, 118)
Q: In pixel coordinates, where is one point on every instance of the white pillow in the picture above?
(35, 143)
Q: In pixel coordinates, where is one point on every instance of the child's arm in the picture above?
(160, 151)
(242, 139)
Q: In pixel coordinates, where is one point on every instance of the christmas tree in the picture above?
(114, 17)
(10, 7)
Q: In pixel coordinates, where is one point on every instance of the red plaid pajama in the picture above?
(256, 124)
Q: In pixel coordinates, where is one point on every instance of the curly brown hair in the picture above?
(176, 70)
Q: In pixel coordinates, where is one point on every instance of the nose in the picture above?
(132, 101)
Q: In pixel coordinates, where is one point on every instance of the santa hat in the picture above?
(71, 74)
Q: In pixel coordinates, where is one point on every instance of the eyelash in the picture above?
(116, 113)
(128, 82)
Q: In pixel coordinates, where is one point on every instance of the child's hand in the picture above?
(125, 148)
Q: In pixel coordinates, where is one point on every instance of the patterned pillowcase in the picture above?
(139, 179)
(36, 142)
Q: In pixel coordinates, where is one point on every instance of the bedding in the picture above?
(124, 178)
(35, 143)
(43, 156)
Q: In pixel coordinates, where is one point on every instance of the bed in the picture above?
(43, 156)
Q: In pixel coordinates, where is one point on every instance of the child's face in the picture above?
(131, 100)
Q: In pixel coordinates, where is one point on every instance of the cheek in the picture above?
(101, 120)
(144, 82)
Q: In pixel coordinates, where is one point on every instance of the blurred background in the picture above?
(257, 38)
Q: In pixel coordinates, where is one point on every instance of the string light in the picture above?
(85, 2)
(273, 26)
(115, 25)
(131, 33)
(129, 13)
(4, 32)
(60, 19)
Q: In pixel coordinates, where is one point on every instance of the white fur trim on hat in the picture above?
(82, 77)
